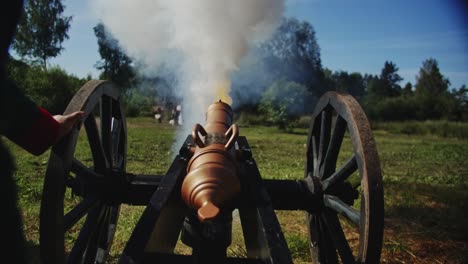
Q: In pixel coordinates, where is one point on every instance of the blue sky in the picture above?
(354, 36)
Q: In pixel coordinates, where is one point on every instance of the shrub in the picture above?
(246, 118)
(137, 105)
(392, 108)
(283, 103)
(304, 121)
(51, 89)
(62, 87)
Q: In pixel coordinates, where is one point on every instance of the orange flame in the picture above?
(222, 89)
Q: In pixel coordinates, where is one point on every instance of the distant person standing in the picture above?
(179, 114)
(158, 114)
(173, 116)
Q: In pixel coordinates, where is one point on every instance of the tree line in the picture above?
(284, 82)
(384, 99)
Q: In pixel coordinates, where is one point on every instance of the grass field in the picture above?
(425, 183)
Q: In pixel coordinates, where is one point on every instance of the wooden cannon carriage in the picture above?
(81, 199)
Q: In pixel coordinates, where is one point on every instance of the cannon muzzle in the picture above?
(212, 179)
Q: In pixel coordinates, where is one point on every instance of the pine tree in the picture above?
(432, 91)
(430, 82)
(387, 83)
(115, 64)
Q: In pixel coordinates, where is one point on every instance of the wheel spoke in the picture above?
(324, 141)
(74, 215)
(120, 132)
(106, 124)
(342, 173)
(84, 237)
(100, 161)
(326, 246)
(83, 171)
(329, 164)
(106, 235)
(312, 223)
(341, 243)
(98, 234)
(342, 208)
(116, 137)
(315, 157)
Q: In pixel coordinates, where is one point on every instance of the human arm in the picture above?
(28, 125)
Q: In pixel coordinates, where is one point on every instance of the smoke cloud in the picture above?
(202, 41)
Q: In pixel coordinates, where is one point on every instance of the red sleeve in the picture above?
(41, 135)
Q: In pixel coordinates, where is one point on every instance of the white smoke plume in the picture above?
(203, 39)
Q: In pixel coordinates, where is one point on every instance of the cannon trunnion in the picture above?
(213, 175)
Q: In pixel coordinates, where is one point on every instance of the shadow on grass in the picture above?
(428, 218)
(442, 210)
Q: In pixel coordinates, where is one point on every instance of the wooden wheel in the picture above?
(78, 209)
(343, 167)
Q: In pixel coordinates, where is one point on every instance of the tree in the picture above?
(284, 102)
(387, 83)
(431, 89)
(349, 83)
(390, 76)
(115, 64)
(407, 89)
(41, 30)
(460, 97)
(293, 54)
(294, 41)
(430, 82)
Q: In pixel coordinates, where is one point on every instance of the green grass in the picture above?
(441, 128)
(425, 182)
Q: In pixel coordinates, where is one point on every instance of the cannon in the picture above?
(213, 175)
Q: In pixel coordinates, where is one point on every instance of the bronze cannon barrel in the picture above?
(212, 178)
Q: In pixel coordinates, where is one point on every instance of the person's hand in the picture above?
(67, 122)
